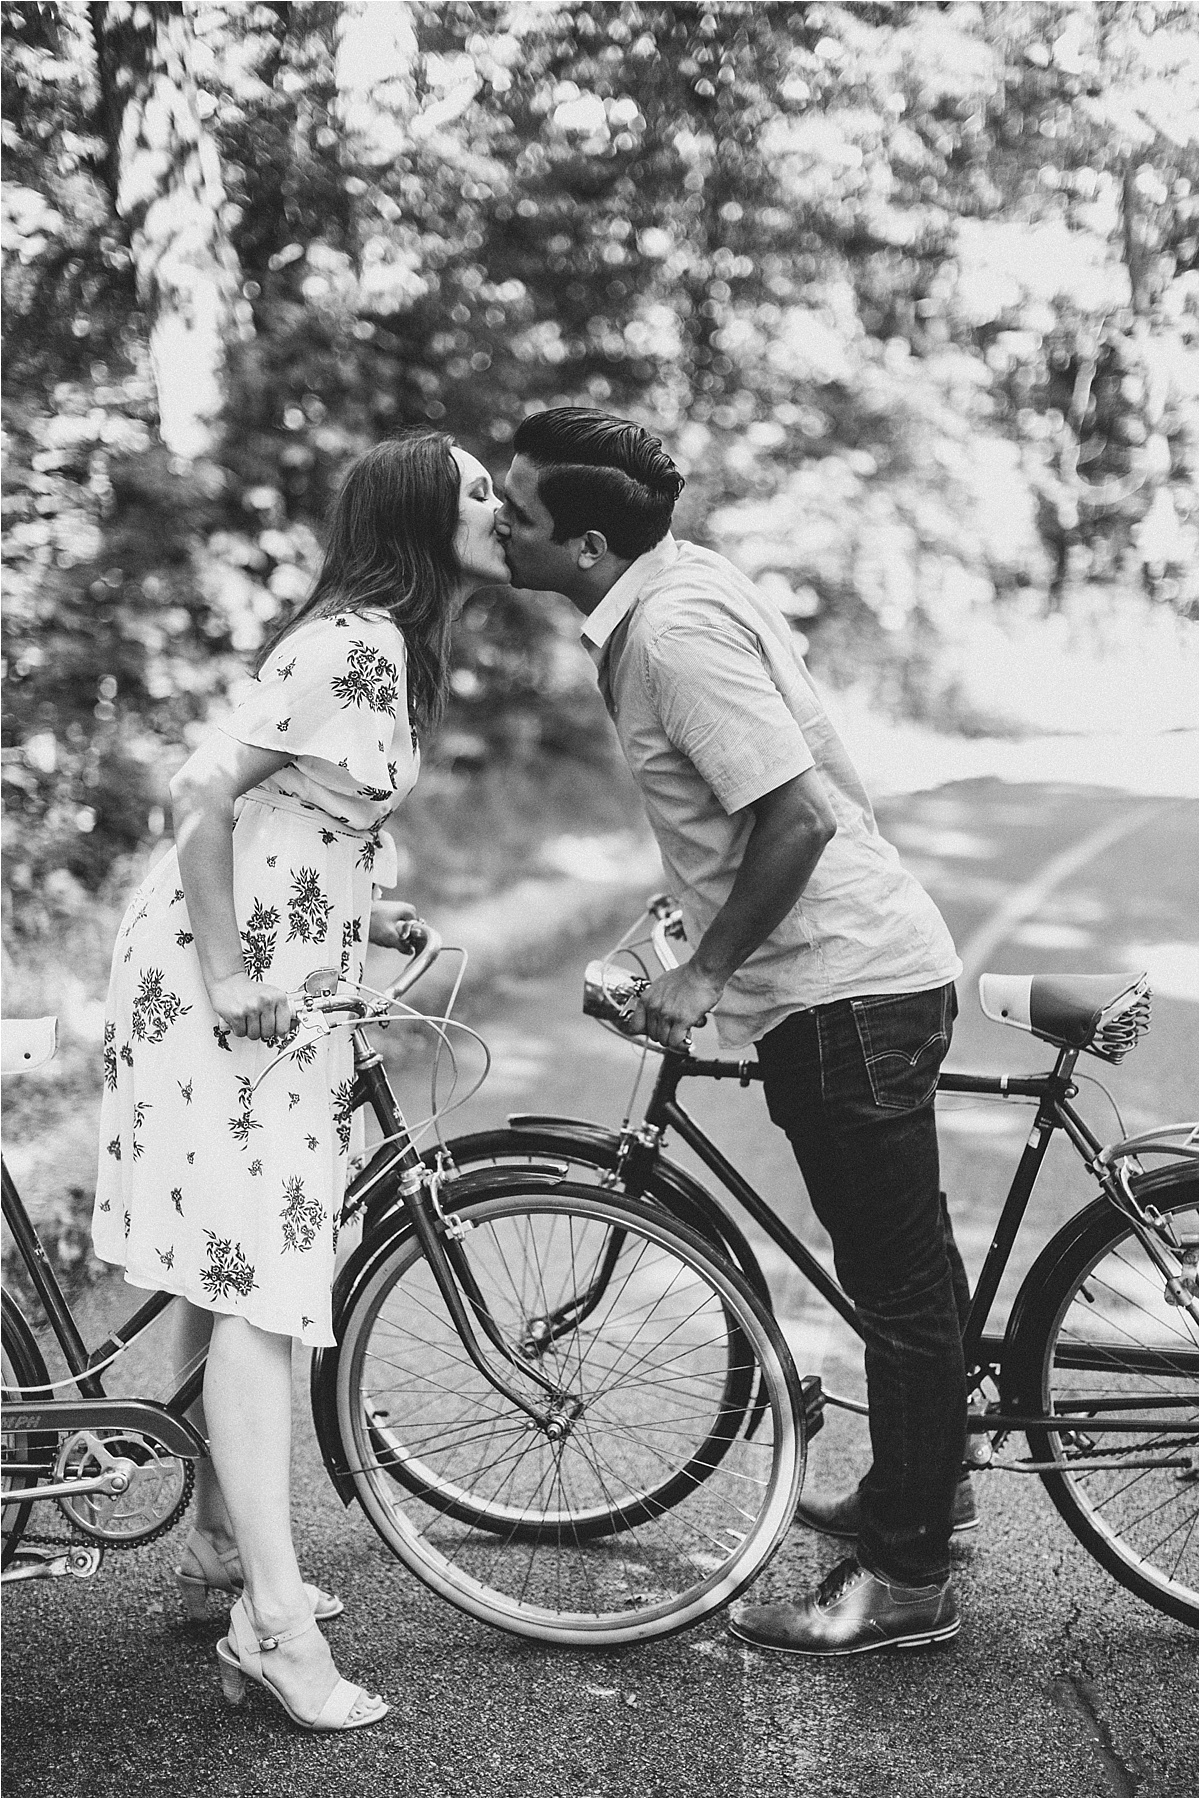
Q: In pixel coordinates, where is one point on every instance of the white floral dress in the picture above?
(212, 1185)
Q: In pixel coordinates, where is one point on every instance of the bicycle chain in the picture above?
(79, 1535)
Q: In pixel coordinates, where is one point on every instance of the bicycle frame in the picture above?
(93, 1409)
(1053, 1092)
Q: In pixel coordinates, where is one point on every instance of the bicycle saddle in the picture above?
(27, 1043)
(1104, 1014)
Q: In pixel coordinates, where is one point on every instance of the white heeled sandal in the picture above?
(241, 1657)
(220, 1571)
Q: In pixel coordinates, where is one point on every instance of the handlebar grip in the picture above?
(422, 962)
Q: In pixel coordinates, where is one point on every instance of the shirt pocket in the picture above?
(904, 1039)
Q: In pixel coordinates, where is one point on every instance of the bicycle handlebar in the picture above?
(430, 948)
(319, 993)
(610, 992)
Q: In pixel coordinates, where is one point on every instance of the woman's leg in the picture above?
(193, 1329)
(248, 1404)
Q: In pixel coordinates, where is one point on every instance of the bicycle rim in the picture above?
(1115, 1344)
(562, 1537)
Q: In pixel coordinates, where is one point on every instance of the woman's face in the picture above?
(479, 551)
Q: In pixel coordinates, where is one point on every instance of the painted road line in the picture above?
(1024, 901)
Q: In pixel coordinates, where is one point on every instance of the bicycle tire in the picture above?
(23, 1370)
(653, 1568)
(1096, 1330)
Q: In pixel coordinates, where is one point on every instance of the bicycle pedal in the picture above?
(812, 1405)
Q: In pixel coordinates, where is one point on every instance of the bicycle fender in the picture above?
(672, 1186)
(1013, 1358)
(391, 1227)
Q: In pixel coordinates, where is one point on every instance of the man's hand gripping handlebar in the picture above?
(637, 1006)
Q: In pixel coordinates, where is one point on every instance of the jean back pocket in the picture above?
(904, 1039)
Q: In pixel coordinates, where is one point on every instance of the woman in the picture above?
(212, 1186)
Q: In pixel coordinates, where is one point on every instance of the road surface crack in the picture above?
(1076, 1693)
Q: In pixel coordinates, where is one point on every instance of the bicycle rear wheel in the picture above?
(1103, 1339)
(24, 1370)
(633, 1508)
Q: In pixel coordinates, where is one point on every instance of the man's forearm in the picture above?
(792, 826)
(774, 872)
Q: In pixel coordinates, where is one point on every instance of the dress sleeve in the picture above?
(330, 696)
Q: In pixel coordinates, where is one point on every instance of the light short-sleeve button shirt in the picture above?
(714, 708)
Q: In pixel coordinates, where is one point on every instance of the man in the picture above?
(812, 943)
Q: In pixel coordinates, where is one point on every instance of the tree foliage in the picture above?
(910, 290)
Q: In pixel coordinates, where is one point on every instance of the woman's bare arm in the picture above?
(202, 795)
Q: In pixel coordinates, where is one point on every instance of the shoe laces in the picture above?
(838, 1580)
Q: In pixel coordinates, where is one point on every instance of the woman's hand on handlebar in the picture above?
(389, 919)
(251, 1008)
(670, 1006)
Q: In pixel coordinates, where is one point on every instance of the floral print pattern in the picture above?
(308, 909)
(218, 1180)
(370, 679)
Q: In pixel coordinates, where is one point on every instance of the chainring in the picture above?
(158, 1493)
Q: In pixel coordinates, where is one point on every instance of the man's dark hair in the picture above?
(599, 473)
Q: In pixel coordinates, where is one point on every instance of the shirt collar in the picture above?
(621, 597)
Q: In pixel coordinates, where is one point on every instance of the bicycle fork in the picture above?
(439, 1235)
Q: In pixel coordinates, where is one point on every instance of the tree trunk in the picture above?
(166, 177)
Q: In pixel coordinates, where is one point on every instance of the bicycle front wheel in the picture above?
(1104, 1340)
(630, 1506)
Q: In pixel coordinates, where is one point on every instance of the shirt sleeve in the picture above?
(721, 709)
(329, 696)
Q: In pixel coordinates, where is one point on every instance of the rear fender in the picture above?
(1155, 1183)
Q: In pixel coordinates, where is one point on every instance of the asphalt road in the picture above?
(1060, 1682)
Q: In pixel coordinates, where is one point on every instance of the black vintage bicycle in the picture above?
(563, 1409)
(1096, 1366)
(558, 1391)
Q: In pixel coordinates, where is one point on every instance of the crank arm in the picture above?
(51, 1564)
(115, 1481)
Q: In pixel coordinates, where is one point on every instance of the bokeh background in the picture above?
(909, 290)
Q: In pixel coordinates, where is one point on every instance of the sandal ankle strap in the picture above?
(285, 1636)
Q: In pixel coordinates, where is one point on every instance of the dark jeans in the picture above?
(852, 1084)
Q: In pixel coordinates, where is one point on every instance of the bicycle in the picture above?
(538, 1396)
(1097, 1362)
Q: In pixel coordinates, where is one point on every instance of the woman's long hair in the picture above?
(389, 545)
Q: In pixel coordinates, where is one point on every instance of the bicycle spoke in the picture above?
(1118, 1342)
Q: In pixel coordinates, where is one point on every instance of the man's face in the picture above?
(526, 532)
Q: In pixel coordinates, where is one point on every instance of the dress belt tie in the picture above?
(383, 865)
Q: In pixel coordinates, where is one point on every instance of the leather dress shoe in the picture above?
(839, 1517)
(852, 1611)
